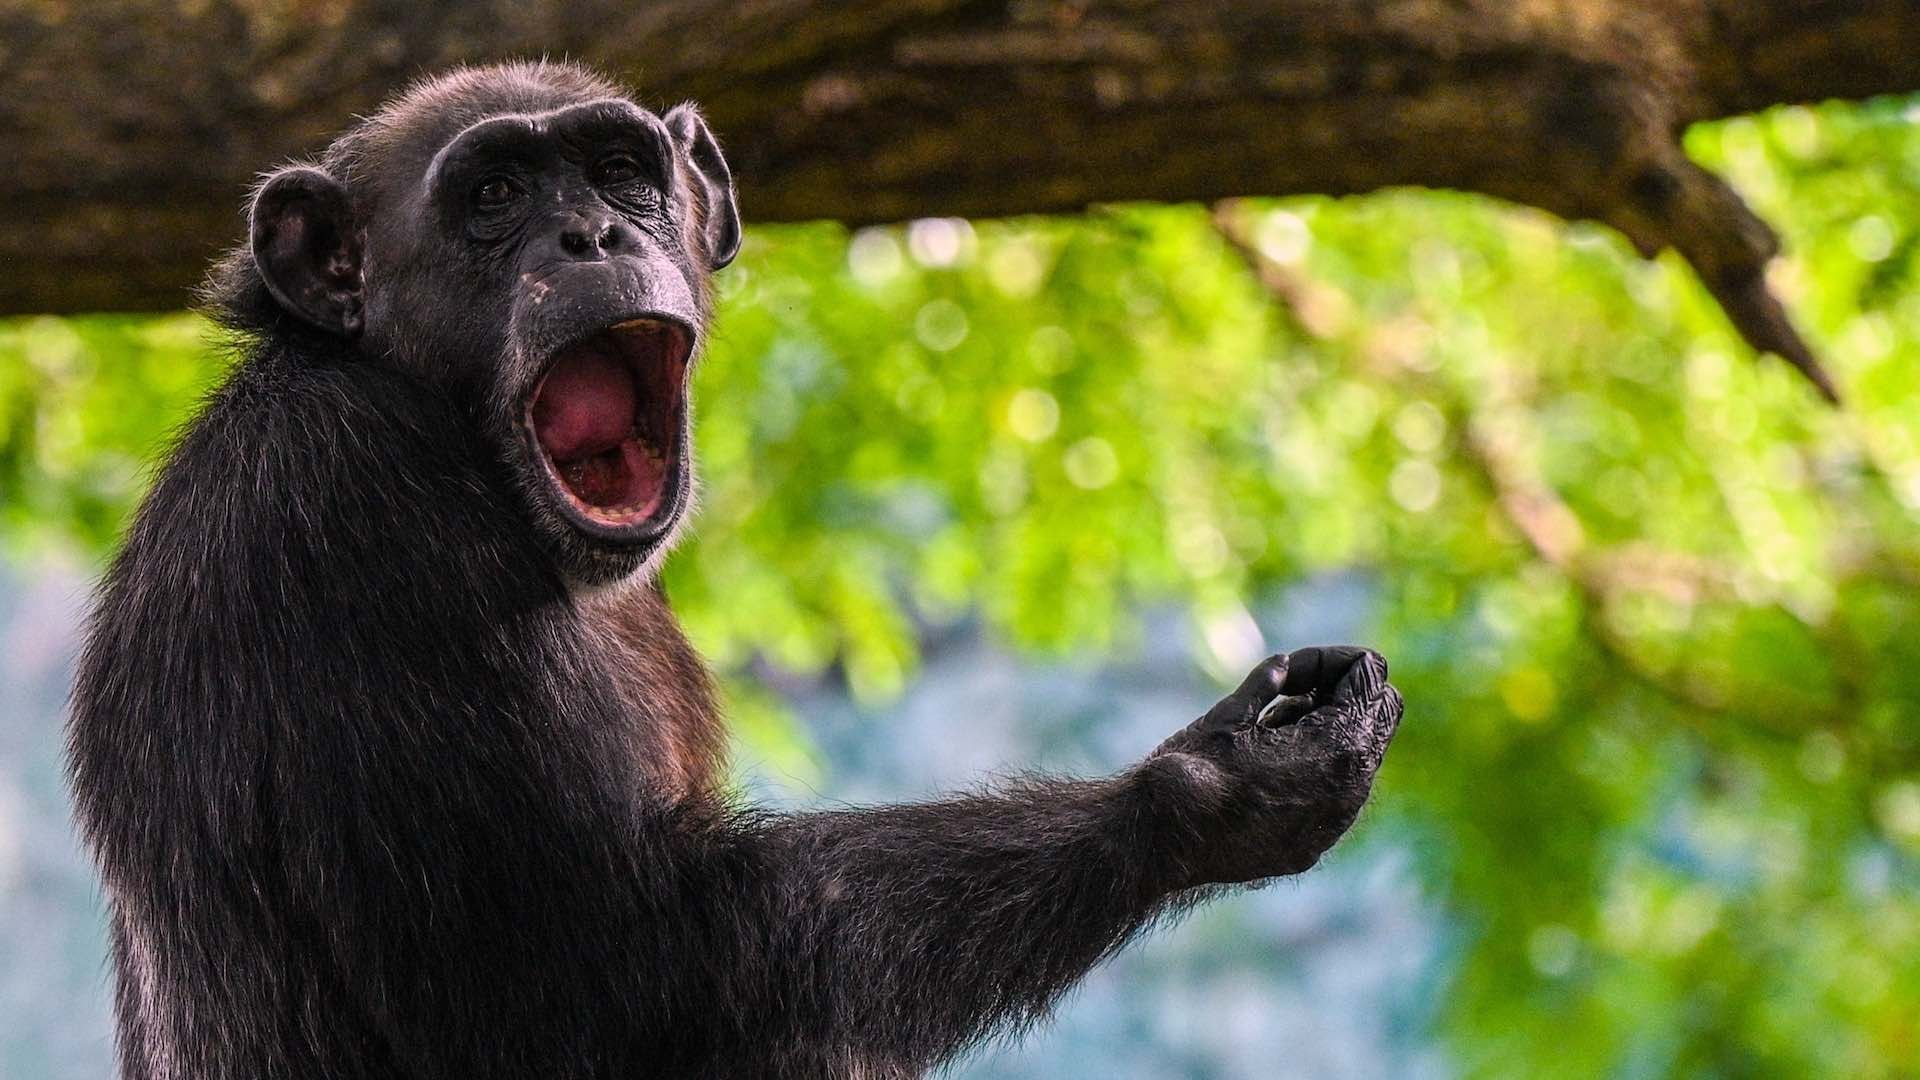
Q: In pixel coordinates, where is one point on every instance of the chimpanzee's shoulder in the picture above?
(290, 401)
(290, 453)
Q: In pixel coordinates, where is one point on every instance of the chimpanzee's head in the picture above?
(539, 246)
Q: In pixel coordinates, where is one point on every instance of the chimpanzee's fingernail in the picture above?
(1286, 710)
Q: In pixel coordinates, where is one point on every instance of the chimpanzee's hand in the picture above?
(1269, 778)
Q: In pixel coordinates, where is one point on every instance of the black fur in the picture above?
(388, 776)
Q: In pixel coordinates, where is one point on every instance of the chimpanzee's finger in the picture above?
(1364, 679)
(1316, 669)
(1392, 709)
(1361, 708)
(1252, 695)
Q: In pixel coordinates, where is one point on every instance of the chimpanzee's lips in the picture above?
(607, 419)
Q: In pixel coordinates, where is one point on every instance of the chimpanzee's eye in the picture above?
(497, 192)
(615, 170)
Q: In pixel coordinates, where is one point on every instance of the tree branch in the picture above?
(131, 127)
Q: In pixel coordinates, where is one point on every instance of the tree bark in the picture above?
(130, 128)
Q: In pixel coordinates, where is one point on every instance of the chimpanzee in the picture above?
(393, 758)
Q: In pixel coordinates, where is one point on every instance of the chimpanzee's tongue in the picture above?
(585, 407)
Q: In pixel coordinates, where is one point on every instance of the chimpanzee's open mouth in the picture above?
(608, 417)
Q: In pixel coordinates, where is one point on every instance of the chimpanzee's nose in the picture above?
(590, 236)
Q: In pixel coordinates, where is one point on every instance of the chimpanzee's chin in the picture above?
(594, 566)
(593, 553)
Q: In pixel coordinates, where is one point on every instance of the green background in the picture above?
(1655, 609)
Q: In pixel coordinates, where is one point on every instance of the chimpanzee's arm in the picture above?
(918, 928)
(921, 926)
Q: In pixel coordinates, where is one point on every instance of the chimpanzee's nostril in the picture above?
(587, 238)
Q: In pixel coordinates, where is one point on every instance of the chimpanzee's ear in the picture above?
(307, 246)
(696, 144)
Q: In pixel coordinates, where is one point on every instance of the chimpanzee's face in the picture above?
(551, 267)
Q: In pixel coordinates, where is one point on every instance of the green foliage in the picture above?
(83, 404)
(1656, 610)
